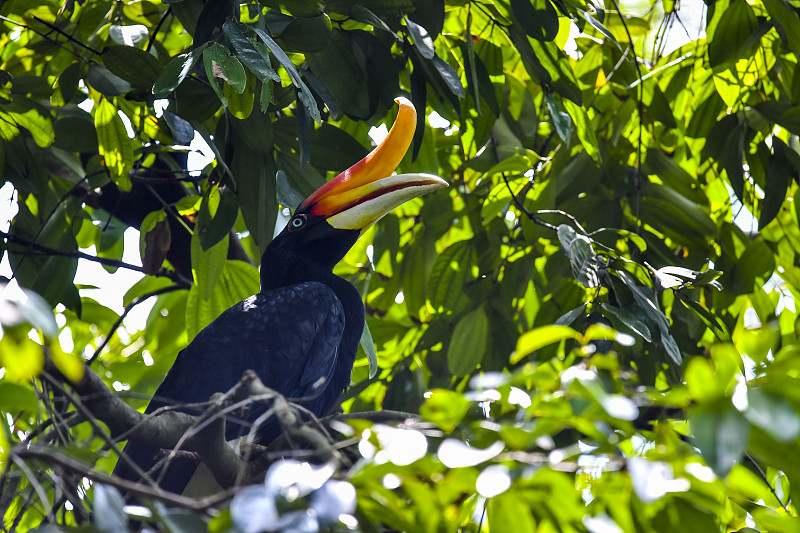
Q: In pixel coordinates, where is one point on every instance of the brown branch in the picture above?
(204, 434)
(52, 456)
(164, 428)
(76, 254)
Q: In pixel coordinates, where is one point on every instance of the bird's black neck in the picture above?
(282, 266)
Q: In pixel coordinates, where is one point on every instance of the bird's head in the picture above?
(327, 223)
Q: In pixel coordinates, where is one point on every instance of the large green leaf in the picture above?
(452, 269)
(735, 25)
(468, 344)
(135, 66)
(176, 71)
(338, 69)
(538, 18)
(721, 437)
(114, 144)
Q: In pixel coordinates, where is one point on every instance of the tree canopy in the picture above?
(594, 328)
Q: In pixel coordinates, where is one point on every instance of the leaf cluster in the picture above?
(596, 322)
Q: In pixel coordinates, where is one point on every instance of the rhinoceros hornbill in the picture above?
(301, 332)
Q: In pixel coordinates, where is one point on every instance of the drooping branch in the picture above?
(54, 457)
(204, 434)
(76, 254)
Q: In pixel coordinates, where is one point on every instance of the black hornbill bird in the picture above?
(301, 332)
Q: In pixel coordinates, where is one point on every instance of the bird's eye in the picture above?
(298, 221)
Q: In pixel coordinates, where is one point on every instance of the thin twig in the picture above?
(128, 308)
(563, 214)
(43, 36)
(76, 254)
(54, 457)
(61, 32)
(157, 29)
(528, 213)
(87, 414)
(35, 484)
(765, 480)
(640, 112)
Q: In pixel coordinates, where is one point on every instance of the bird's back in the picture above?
(289, 336)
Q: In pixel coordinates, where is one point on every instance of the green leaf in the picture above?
(721, 438)
(787, 23)
(450, 76)
(774, 415)
(648, 303)
(22, 359)
(539, 338)
(584, 262)
(75, 133)
(17, 397)
(255, 57)
(308, 34)
(452, 269)
(368, 346)
(255, 179)
(571, 316)
(105, 82)
(207, 265)
(221, 65)
(600, 27)
(133, 65)
(216, 216)
(757, 261)
(240, 105)
(422, 40)
(444, 408)
(114, 144)
(585, 130)
(109, 516)
(40, 127)
(338, 69)
(628, 321)
(508, 512)
(237, 281)
(306, 96)
(176, 71)
(777, 178)
(335, 149)
(537, 17)
(730, 37)
(468, 343)
(561, 119)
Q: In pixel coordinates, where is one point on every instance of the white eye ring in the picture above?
(298, 221)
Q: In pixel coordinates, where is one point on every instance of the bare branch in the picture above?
(52, 456)
(171, 274)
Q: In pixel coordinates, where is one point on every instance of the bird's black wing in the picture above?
(289, 336)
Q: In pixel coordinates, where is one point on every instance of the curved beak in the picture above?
(362, 194)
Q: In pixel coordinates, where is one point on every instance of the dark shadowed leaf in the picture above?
(422, 40)
(538, 18)
(735, 25)
(135, 66)
(721, 437)
(254, 56)
(772, 414)
(176, 71)
(106, 82)
(108, 503)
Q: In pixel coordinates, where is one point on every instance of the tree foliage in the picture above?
(596, 322)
